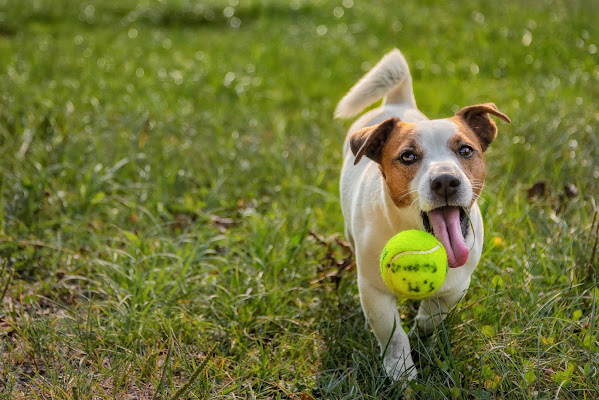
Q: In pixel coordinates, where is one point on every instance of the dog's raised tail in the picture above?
(390, 78)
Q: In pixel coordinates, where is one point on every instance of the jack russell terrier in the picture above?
(417, 174)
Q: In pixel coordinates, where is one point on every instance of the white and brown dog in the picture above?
(417, 174)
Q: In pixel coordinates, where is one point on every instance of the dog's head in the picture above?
(436, 166)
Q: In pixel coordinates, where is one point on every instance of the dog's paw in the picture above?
(425, 325)
(400, 369)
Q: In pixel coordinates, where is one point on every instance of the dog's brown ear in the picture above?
(477, 117)
(370, 141)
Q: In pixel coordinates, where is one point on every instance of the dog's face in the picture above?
(434, 166)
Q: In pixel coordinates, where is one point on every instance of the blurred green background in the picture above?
(169, 179)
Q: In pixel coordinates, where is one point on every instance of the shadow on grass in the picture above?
(351, 366)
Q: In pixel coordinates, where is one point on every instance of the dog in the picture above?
(403, 171)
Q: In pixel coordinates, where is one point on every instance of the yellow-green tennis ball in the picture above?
(414, 264)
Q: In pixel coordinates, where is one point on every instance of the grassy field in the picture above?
(170, 221)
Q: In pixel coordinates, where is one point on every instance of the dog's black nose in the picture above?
(445, 185)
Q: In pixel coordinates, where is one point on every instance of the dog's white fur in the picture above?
(372, 218)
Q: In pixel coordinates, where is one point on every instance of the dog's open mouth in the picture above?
(449, 224)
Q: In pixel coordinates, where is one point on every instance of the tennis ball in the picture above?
(414, 264)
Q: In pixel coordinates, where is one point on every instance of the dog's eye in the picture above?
(407, 157)
(466, 151)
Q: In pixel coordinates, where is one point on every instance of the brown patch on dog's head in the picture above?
(477, 119)
(385, 144)
(397, 173)
(473, 164)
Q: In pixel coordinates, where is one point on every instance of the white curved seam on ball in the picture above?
(417, 252)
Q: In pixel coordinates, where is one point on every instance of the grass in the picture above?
(170, 217)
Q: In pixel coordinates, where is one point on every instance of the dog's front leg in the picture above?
(380, 308)
(434, 309)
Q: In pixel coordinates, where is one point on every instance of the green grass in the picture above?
(167, 167)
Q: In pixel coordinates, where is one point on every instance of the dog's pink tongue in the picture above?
(446, 227)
